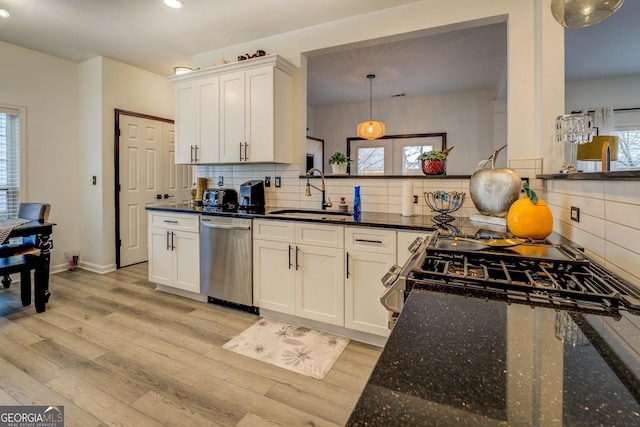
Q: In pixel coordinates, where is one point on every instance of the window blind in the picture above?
(9, 162)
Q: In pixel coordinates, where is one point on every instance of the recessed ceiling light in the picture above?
(176, 4)
(4, 13)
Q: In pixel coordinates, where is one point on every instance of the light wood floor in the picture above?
(114, 351)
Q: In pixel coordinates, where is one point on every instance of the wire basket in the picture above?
(444, 203)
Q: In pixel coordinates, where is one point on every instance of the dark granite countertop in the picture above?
(369, 219)
(460, 361)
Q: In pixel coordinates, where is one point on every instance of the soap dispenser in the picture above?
(342, 207)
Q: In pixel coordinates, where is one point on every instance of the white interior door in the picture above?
(140, 174)
(176, 178)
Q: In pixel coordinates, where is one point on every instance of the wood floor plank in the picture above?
(170, 413)
(37, 366)
(115, 351)
(28, 391)
(98, 403)
(300, 399)
(255, 403)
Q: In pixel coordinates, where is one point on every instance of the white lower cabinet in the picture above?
(299, 269)
(369, 255)
(174, 250)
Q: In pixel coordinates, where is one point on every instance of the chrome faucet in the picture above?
(324, 204)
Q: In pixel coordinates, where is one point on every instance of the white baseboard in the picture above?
(181, 293)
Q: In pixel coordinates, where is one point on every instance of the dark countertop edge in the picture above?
(607, 176)
(424, 223)
(389, 176)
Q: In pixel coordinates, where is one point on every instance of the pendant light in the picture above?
(371, 129)
(582, 13)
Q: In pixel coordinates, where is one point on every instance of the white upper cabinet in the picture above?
(197, 117)
(236, 113)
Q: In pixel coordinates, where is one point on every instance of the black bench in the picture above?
(23, 264)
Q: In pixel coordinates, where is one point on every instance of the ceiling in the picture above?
(151, 36)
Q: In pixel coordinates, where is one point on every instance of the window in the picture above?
(628, 132)
(392, 155)
(9, 162)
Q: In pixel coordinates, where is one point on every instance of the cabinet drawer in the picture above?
(370, 240)
(320, 235)
(278, 231)
(179, 222)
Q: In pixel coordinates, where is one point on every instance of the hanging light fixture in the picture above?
(371, 129)
(582, 13)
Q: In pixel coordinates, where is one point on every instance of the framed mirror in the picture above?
(392, 155)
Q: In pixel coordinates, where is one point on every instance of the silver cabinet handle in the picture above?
(297, 264)
(241, 151)
(170, 221)
(173, 246)
(195, 157)
(209, 224)
(290, 257)
(246, 157)
(168, 245)
(191, 154)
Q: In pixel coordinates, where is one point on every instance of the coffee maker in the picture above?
(251, 196)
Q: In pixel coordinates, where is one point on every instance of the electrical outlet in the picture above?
(267, 181)
(415, 200)
(278, 182)
(220, 181)
(575, 214)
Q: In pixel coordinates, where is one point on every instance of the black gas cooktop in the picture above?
(535, 273)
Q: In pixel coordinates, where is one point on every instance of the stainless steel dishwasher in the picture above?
(225, 259)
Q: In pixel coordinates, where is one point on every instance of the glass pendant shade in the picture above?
(371, 129)
(582, 13)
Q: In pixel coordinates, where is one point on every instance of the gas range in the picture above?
(534, 273)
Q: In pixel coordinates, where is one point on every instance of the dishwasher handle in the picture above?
(209, 224)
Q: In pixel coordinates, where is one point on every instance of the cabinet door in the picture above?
(320, 283)
(185, 121)
(186, 261)
(232, 117)
(259, 114)
(363, 310)
(160, 256)
(274, 276)
(208, 119)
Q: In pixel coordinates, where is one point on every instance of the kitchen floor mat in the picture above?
(296, 348)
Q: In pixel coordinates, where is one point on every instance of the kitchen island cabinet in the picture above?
(465, 361)
(174, 250)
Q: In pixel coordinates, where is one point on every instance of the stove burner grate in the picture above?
(567, 284)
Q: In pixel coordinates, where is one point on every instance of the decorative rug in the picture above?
(296, 348)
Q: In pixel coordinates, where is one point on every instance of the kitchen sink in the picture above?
(311, 213)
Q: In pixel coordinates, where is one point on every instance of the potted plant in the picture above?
(434, 161)
(339, 162)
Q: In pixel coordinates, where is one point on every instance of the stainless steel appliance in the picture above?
(252, 196)
(220, 200)
(534, 273)
(226, 260)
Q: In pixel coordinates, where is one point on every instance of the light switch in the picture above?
(94, 180)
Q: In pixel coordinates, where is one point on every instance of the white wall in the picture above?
(620, 92)
(438, 113)
(47, 87)
(535, 44)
